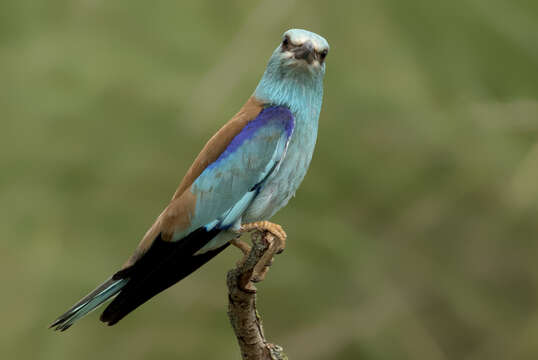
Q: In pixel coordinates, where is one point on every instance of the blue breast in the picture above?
(282, 184)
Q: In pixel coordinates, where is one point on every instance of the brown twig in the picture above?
(242, 311)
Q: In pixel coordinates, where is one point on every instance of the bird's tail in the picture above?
(90, 302)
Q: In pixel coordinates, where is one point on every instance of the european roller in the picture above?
(244, 174)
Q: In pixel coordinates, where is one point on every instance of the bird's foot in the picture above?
(276, 239)
(266, 226)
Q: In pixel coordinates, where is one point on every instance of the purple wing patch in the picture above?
(274, 115)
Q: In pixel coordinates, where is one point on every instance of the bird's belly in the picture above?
(280, 187)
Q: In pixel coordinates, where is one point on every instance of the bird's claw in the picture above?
(275, 237)
(275, 229)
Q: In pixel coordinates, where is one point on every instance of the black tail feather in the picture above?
(162, 266)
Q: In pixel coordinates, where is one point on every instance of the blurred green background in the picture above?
(414, 235)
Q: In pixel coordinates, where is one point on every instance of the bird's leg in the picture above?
(244, 247)
(277, 243)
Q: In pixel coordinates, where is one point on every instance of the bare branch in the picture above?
(242, 311)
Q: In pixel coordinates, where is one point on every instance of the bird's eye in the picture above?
(285, 42)
(323, 54)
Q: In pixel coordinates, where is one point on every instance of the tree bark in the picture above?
(242, 311)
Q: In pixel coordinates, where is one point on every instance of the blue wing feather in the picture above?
(228, 185)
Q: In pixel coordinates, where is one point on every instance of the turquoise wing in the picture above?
(228, 185)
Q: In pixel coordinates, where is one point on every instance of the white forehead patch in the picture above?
(300, 36)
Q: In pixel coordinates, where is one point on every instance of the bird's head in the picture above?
(301, 50)
(294, 74)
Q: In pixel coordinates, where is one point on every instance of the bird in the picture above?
(244, 174)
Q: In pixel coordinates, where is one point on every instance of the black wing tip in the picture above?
(163, 265)
(105, 318)
(111, 322)
(111, 315)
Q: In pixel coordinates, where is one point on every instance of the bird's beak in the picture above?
(305, 52)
